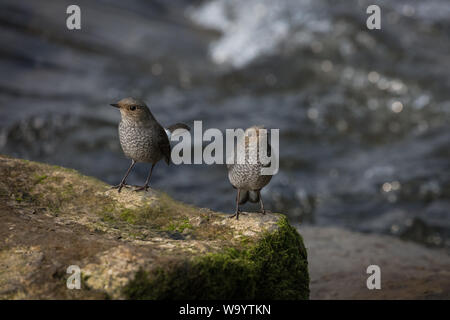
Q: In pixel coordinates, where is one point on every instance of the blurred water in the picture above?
(363, 115)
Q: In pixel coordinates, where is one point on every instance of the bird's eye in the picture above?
(132, 108)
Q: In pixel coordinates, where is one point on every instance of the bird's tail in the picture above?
(179, 125)
(252, 196)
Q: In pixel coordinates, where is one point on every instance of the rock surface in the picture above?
(338, 260)
(135, 245)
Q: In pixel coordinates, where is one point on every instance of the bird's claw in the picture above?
(120, 186)
(143, 188)
(237, 214)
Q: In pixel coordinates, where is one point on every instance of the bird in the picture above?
(142, 138)
(247, 177)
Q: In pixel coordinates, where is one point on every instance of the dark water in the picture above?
(364, 116)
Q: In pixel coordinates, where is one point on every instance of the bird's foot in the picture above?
(263, 211)
(120, 186)
(236, 214)
(143, 188)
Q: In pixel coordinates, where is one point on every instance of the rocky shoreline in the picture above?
(338, 260)
(149, 246)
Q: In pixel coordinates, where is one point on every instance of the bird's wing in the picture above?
(269, 154)
(229, 158)
(164, 144)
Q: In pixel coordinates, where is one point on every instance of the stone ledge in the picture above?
(135, 245)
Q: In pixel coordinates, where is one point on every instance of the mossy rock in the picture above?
(136, 245)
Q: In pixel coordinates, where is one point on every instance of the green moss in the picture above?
(108, 217)
(39, 178)
(273, 268)
(179, 226)
(163, 214)
(61, 191)
(129, 216)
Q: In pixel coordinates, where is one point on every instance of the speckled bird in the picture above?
(246, 177)
(142, 138)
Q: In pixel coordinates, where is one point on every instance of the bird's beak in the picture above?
(115, 105)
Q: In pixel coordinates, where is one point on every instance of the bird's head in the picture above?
(133, 110)
(254, 133)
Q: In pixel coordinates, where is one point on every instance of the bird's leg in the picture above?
(122, 183)
(145, 187)
(237, 212)
(261, 204)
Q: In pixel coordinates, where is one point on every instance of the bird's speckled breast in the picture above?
(139, 143)
(247, 176)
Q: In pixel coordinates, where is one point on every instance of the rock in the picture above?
(135, 245)
(338, 260)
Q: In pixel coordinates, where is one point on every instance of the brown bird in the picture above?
(142, 138)
(246, 177)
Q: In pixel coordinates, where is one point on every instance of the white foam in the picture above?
(254, 28)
